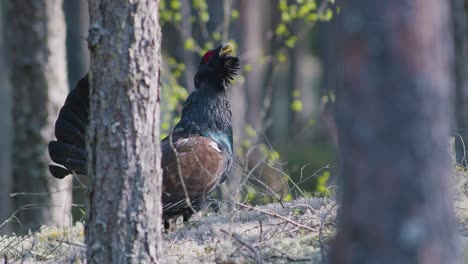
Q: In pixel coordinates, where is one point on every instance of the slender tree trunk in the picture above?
(5, 132)
(38, 75)
(76, 14)
(460, 25)
(77, 18)
(188, 58)
(328, 43)
(393, 112)
(237, 93)
(466, 38)
(124, 214)
(252, 43)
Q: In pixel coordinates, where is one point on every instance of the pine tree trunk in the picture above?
(76, 14)
(5, 132)
(393, 113)
(252, 45)
(124, 214)
(77, 19)
(460, 26)
(187, 33)
(38, 75)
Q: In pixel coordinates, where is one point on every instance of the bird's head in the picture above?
(217, 67)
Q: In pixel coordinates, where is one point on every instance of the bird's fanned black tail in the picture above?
(70, 130)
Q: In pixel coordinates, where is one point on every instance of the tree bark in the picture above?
(124, 212)
(327, 47)
(76, 13)
(77, 19)
(252, 43)
(5, 132)
(38, 75)
(460, 26)
(393, 112)
(188, 58)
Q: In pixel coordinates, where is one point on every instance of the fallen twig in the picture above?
(238, 238)
(272, 213)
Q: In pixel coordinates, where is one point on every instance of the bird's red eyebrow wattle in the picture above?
(207, 56)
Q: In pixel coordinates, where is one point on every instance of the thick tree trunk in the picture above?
(5, 132)
(393, 113)
(38, 75)
(124, 215)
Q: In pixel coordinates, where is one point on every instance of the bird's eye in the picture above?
(207, 56)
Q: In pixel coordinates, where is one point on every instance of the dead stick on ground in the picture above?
(238, 238)
(271, 213)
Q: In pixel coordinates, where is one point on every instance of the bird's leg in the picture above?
(170, 224)
(187, 215)
(167, 224)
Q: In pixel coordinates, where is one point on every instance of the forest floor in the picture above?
(295, 232)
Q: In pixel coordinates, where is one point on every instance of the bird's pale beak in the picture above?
(226, 49)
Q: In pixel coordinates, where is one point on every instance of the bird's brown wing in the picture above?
(194, 172)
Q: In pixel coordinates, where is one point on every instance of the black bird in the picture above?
(196, 156)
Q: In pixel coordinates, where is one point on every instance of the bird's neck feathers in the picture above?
(206, 109)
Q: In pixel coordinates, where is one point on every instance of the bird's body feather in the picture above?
(196, 170)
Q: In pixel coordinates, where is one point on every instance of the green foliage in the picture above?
(169, 11)
(307, 12)
(250, 194)
(281, 30)
(175, 4)
(296, 104)
(291, 41)
(189, 44)
(250, 131)
(234, 14)
(322, 181)
(216, 36)
(173, 95)
(271, 155)
(311, 122)
(281, 56)
(310, 180)
(288, 198)
(202, 9)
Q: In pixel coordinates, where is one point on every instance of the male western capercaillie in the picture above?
(196, 156)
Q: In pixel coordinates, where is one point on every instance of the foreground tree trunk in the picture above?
(393, 113)
(38, 75)
(124, 214)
